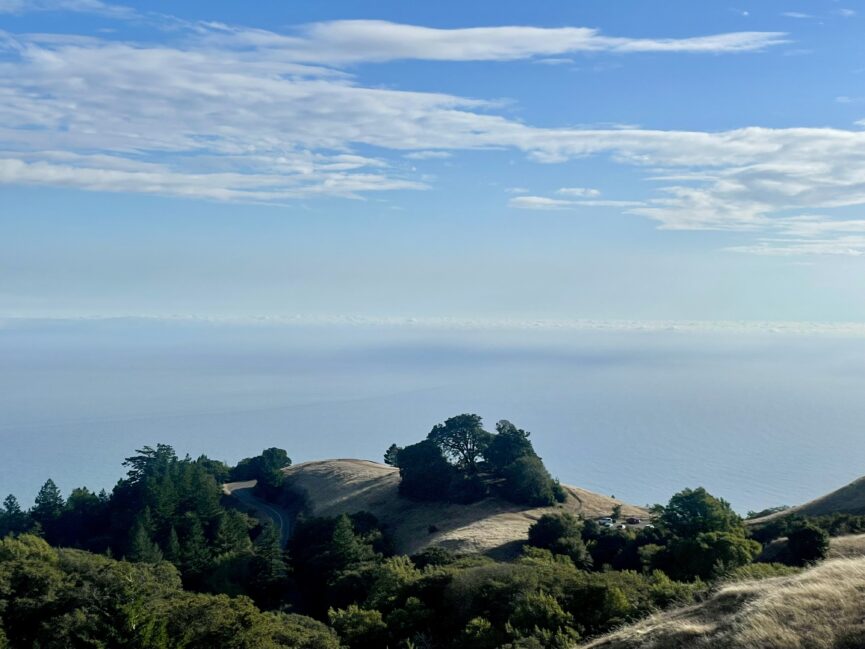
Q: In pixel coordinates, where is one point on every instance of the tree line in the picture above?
(166, 560)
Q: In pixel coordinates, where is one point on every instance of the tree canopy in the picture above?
(462, 439)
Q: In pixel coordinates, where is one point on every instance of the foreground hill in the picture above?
(820, 608)
(492, 526)
(849, 499)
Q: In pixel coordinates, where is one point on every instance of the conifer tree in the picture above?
(269, 554)
(173, 552)
(391, 455)
(195, 553)
(13, 520)
(232, 535)
(142, 548)
(49, 503)
(346, 547)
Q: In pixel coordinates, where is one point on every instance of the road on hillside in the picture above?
(282, 518)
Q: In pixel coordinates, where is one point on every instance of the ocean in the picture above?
(759, 415)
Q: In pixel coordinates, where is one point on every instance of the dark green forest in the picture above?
(167, 560)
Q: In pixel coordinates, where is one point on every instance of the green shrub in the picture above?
(359, 628)
(807, 544)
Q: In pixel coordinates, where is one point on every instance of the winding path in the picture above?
(282, 518)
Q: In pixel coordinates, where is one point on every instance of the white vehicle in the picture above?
(606, 522)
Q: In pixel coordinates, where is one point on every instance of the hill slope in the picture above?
(492, 525)
(820, 608)
(849, 499)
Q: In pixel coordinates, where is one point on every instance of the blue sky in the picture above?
(550, 160)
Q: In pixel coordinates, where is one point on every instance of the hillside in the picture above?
(820, 608)
(492, 525)
(849, 499)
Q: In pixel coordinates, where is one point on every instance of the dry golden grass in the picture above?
(820, 608)
(489, 526)
(847, 547)
(849, 499)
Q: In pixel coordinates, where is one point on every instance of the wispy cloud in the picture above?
(538, 203)
(585, 192)
(546, 203)
(359, 41)
(428, 155)
(75, 6)
(796, 14)
(224, 113)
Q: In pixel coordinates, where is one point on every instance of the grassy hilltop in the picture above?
(491, 525)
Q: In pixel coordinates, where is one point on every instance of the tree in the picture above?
(195, 552)
(232, 534)
(347, 549)
(13, 520)
(551, 528)
(708, 555)
(49, 502)
(150, 462)
(617, 512)
(536, 613)
(425, 473)
(267, 469)
(561, 533)
(807, 544)
(696, 511)
(141, 547)
(173, 552)
(273, 461)
(510, 444)
(526, 481)
(462, 439)
(391, 455)
(48, 508)
(359, 628)
(268, 565)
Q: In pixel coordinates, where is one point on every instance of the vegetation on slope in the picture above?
(192, 567)
(848, 500)
(71, 598)
(820, 608)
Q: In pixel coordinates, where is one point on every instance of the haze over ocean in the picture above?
(757, 416)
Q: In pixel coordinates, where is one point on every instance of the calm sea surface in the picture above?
(759, 418)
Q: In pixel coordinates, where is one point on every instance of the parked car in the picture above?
(633, 521)
(605, 522)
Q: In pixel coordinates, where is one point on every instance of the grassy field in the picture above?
(820, 608)
(491, 526)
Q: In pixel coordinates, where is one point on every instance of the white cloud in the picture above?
(228, 114)
(555, 61)
(428, 155)
(586, 192)
(354, 41)
(546, 203)
(847, 13)
(75, 6)
(796, 14)
(538, 203)
(155, 179)
(841, 246)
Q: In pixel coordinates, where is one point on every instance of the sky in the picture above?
(481, 161)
